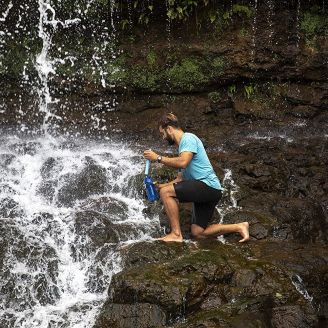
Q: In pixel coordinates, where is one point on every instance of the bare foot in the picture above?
(172, 237)
(244, 231)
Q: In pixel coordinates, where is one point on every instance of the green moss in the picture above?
(142, 78)
(164, 174)
(314, 24)
(215, 97)
(244, 32)
(218, 64)
(186, 75)
(243, 10)
(239, 10)
(151, 58)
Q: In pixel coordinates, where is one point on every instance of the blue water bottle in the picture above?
(152, 194)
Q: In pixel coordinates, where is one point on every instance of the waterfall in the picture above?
(254, 28)
(43, 64)
(66, 207)
(61, 243)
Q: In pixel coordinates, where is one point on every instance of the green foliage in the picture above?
(313, 24)
(242, 11)
(244, 32)
(186, 75)
(124, 23)
(232, 90)
(151, 58)
(249, 91)
(218, 63)
(181, 9)
(215, 96)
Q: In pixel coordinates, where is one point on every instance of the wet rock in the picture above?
(6, 160)
(10, 208)
(7, 189)
(258, 231)
(113, 208)
(305, 95)
(306, 219)
(47, 189)
(94, 230)
(304, 111)
(141, 315)
(135, 187)
(91, 180)
(140, 105)
(45, 291)
(21, 287)
(97, 227)
(51, 168)
(291, 316)
(26, 148)
(216, 283)
(134, 255)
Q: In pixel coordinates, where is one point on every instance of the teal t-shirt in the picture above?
(199, 168)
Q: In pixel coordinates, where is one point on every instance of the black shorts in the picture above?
(204, 198)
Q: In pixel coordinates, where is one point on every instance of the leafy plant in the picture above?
(249, 91)
(240, 10)
(186, 75)
(232, 89)
(313, 24)
(181, 9)
(215, 96)
(151, 58)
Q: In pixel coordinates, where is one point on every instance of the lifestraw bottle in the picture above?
(152, 194)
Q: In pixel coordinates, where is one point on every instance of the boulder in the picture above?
(213, 284)
(91, 180)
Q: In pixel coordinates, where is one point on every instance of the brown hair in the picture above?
(169, 119)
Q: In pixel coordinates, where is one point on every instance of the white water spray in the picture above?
(59, 277)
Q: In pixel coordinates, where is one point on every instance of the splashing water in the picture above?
(44, 65)
(61, 242)
(254, 28)
(228, 203)
(299, 285)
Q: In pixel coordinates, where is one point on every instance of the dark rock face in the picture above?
(22, 288)
(215, 285)
(91, 180)
(23, 148)
(9, 208)
(141, 315)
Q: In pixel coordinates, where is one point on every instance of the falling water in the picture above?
(5, 14)
(297, 23)
(55, 272)
(228, 202)
(299, 285)
(254, 29)
(270, 4)
(44, 65)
